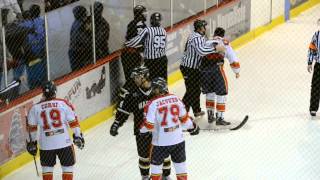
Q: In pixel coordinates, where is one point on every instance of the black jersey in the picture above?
(132, 101)
(133, 28)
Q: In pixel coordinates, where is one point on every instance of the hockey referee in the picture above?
(313, 55)
(154, 39)
(195, 49)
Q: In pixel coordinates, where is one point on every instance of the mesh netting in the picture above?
(80, 45)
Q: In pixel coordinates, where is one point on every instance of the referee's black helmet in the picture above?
(155, 19)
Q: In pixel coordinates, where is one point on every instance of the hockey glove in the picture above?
(78, 141)
(195, 130)
(114, 128)
(32, 147)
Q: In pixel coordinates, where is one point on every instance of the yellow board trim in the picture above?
(107, 113)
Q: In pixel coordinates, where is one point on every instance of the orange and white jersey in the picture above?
(53, 117)
(229, 53)
(166, 117)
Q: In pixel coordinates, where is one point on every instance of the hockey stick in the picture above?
(34, 157)
(240, 125)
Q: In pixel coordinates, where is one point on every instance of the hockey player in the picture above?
(133, 101)
(166, 117)
(53, 116)
(214, 81)
(130, 56)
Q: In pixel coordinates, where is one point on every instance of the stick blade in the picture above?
(244, 121)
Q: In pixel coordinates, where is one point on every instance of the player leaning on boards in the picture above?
(313, 55)
(214, 80)
(154, 39)
(166, 117)
(133, 100)
(194, 51)
(53, 116)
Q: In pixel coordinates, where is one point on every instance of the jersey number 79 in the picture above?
(174, 114)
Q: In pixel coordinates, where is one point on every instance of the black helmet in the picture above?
(219, 32)
(139, 10)
(161, 84)
(140, 71)
(49, 89)
(155, 19)
(199, 23)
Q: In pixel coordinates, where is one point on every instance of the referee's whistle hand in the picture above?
(220, 48)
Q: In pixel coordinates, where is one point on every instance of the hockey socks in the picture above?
(221, 106)
(211, 106)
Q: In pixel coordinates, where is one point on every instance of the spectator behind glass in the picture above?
(35, 51)
(102, 30)
(80, 49)
(16, 46)
(10, 10)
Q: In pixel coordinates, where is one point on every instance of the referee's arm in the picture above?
(134, 42)
(203, 49)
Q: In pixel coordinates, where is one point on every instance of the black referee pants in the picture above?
(315, 88)
(157, 67)
(193, 91)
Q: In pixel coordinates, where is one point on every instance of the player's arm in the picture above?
(233, 59)
(32, 125)
(135, 41)
(32, 128)
(123, 111)
(187, 121)
(73, 123)
(150, 117)
(202, 47)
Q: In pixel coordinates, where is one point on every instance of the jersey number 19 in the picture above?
(54, 119)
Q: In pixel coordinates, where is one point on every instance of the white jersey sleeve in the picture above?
(150, 115)
(232, 58)
(72, 119)
(32, 124)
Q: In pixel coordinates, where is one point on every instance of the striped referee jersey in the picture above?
(314, 48)
(154, 39)
(195, 49)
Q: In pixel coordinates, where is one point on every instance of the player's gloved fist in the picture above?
(195, 130)
(78, 141)
(114, 128)
(32, 147)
